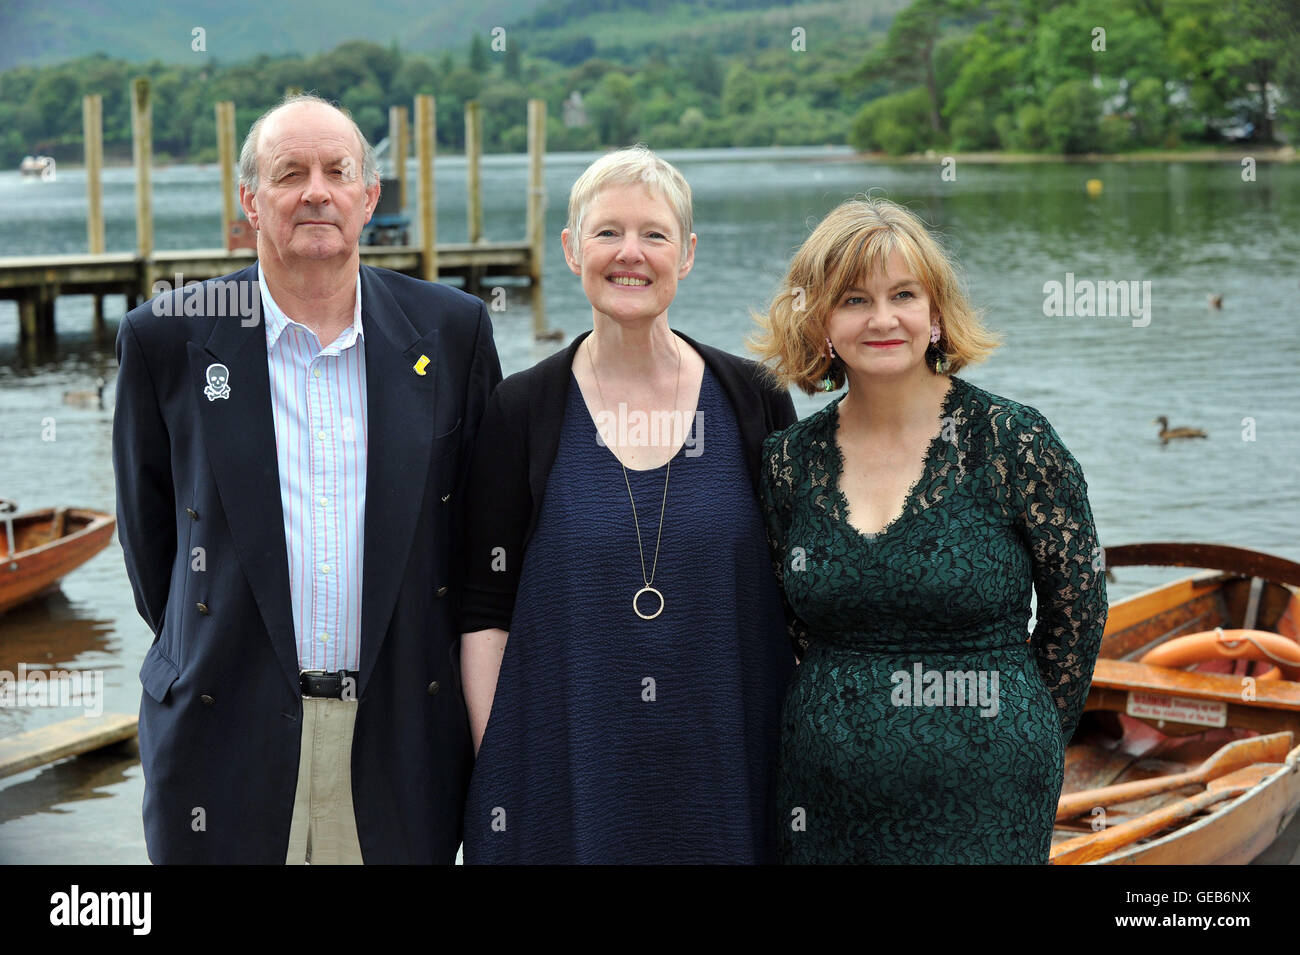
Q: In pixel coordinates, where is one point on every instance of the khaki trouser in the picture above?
(324, 828)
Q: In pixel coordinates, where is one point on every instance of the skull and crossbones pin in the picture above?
(218, 385)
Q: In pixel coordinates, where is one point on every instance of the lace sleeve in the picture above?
(777, 487)
(1069, 576)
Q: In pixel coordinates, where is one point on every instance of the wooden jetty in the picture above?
(46, 744)
(35, 282)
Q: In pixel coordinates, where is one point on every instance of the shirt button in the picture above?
(321, 435)
(316, 372)
(324, 638)
(324, 501)
(325, 568)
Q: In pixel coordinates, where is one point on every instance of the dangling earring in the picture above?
(940, 361)
(828, 383)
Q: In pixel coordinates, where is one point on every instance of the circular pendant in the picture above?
(650, 590)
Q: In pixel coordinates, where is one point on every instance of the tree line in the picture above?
(1068, 76)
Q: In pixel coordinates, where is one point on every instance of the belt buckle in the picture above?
(310, 680)
(329, 684)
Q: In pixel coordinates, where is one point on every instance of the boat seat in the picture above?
(59, 523)
(1223, 688)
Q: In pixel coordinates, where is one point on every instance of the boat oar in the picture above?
(1242, 752)
(1096, 845)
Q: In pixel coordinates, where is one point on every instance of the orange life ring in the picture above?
(1219, 644)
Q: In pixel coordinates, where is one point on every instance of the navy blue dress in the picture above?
(614, 739)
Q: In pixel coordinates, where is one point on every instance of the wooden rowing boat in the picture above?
(1157, 772)
(38, 548)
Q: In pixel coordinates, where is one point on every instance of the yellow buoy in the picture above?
(1094, 187)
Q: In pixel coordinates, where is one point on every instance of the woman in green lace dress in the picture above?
(910, 521)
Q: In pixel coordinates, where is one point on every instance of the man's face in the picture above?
(311, 202)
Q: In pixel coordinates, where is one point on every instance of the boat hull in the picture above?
(41, 561)
(1234, 835)
(1196, 711)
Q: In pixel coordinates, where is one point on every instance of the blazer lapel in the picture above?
(239, 433)
(399, 425)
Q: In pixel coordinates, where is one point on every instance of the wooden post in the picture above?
(142, 156)
(425, 144)
(49, 294)
(474, 177)
(398, 145)
(226, 163)
(92, 122)
(27, 308)
(536, 221)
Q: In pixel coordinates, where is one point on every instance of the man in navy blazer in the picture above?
(202, 496)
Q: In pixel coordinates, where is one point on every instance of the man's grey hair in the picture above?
(248, 154)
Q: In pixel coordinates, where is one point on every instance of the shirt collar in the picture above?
(277, 321)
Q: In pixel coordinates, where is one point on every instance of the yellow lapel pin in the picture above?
(422, 364)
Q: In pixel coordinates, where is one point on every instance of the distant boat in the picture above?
(37, 167)
(38, 548)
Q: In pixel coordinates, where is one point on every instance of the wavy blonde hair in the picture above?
(856, 239)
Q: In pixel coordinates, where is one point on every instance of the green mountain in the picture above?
(40, 32)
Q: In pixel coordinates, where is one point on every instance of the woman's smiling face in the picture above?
(881, 324)
(630, 253)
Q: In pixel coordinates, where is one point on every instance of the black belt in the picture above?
(322, 683)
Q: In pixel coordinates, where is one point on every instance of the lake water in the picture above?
(1188, 229)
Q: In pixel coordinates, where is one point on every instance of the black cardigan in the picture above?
(517, 441)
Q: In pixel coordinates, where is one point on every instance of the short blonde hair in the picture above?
(856, 239)
(625, 167)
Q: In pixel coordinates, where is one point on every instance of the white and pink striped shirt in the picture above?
(318, 400)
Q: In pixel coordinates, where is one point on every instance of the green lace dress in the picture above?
(925, 723)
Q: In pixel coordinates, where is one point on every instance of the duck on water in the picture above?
(1167, 433)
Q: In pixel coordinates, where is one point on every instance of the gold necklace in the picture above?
(648, 588)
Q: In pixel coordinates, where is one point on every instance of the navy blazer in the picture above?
(220, 716)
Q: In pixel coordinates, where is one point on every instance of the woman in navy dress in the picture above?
(625, 650)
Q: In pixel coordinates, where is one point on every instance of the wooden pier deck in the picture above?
(36, 282)
(72, 737)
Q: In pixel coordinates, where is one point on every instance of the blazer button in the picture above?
(201, 608)
(434, 687)
(446, 497)
(441, 591)
(194, 515)
(206, 700)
